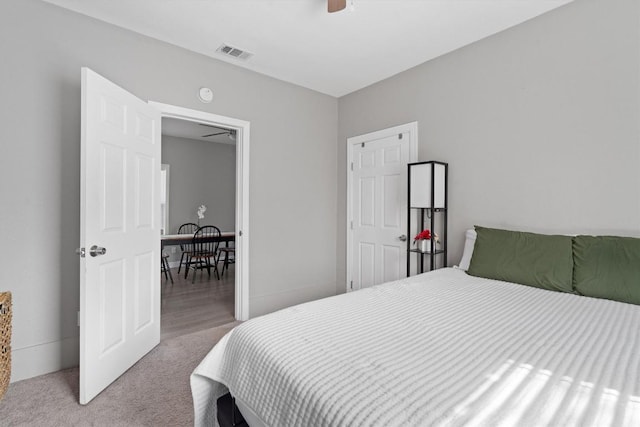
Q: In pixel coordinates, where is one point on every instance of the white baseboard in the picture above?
(44, 358)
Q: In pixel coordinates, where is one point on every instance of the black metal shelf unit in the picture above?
(427, 209)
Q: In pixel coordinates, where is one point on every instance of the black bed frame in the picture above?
(228, 413)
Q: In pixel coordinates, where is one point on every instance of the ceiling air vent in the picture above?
(234, 52)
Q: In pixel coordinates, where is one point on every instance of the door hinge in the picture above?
(351, 284)
(240, 233)
(78, 319)
(351, 166)
(399, 136)
(363, 145)
(352, 225)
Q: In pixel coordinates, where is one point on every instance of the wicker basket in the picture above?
(5, 341)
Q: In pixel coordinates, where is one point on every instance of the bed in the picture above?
(441, 348)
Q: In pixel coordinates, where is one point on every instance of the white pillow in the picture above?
(469, 243)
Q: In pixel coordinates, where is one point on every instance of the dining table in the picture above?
(182, 239)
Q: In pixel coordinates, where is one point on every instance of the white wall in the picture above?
(293, 171)
(539, 124)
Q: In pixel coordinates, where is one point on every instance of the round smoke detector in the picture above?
(205, 95)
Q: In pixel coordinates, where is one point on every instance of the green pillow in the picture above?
(538, 260)
(607, 267)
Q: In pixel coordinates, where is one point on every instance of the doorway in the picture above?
(120, 226)
(241, 130)
(198, 189)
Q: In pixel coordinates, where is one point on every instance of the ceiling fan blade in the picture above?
(214, 134)
(336, 5)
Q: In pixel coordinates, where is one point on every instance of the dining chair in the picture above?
(229, 254)
(164, 259)
(206, 241)
(187, 249)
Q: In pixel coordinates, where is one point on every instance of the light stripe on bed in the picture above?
(443, 348)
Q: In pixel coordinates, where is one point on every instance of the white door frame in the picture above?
(412, 129)
(242, 129)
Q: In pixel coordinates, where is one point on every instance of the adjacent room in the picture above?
(320, 212)
(199, 189)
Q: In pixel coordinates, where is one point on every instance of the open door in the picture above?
(119, 232)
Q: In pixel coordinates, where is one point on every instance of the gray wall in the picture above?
(292, 183)
(201, 173)
(539, 124)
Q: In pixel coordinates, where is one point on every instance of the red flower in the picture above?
(423, 235)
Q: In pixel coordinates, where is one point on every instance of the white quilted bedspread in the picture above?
(442, 349)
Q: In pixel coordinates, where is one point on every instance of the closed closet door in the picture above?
(379, 206)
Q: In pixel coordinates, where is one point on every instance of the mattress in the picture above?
(442, 348)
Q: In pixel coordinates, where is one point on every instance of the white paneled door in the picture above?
(378, 196)
(119, 232)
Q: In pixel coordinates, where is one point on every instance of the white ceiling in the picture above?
(299, 42)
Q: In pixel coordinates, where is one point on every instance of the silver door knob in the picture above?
(403, 238)
(97, 250)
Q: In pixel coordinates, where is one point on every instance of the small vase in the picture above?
(424, 245)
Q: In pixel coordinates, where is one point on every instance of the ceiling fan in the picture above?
(336, 5)
(229, 132)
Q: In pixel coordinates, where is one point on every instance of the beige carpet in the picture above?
(154, 392)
